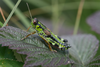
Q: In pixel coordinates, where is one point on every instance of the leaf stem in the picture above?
(78, 17)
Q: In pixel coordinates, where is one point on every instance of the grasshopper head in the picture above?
(34, 22)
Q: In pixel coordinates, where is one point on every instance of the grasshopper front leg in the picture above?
(29, 35)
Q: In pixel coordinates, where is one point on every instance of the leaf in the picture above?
(10, 63)
(6, 53)
(95, 61)
(36, 51)
(84, 48)
(1, 24)
(94, 21)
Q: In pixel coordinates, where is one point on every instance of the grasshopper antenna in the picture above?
(29, 10)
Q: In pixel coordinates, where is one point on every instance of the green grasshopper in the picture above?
(51, 39)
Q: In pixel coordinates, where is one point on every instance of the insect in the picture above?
(50, 38)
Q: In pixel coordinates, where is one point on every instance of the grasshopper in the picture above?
(50, 38)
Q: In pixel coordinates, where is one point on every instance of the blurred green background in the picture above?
(58, 15)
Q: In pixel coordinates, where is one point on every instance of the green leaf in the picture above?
(6, 53)
(84, 48)
(10, 63)
(36, 51)
(1, 24)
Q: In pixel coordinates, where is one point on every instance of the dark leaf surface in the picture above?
(94, 21)
(37, 53)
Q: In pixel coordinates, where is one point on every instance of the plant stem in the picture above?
(14, 20)
(11, 12)
(78, 17)
(3, 15)
(55, 16)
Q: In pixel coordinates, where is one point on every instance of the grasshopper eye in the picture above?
(35, 21)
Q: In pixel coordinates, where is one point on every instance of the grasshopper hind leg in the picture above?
(49, 45)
